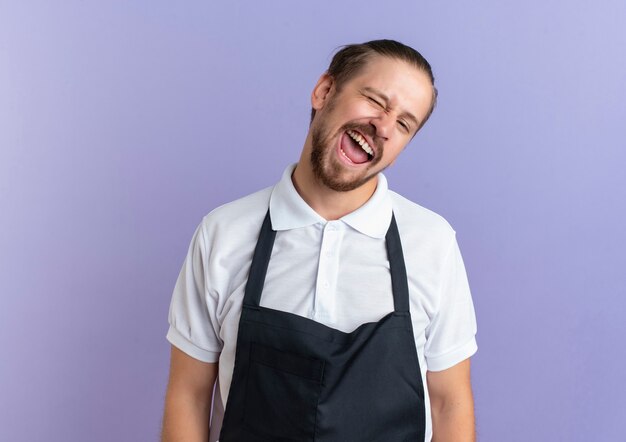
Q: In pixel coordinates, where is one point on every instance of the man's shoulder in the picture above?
(414, 218)
(239, 214)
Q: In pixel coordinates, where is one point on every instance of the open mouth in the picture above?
(355, 148)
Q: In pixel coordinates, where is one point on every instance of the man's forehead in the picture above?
(398, 82)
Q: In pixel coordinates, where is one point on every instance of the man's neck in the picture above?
(328, 203)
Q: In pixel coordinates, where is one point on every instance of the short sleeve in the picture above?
(451, 334)
(194, 328)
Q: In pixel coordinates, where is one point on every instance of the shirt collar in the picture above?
(289, 211)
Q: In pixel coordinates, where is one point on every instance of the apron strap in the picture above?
(260, 261)
(399, 281)
(263, 252)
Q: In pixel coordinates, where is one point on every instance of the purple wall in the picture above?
(122, 124)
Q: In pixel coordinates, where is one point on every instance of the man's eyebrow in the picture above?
(385, 98)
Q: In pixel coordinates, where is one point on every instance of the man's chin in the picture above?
(333, 174)
(345, 185)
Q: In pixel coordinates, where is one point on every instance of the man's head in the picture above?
(366, 108)
(351, 59)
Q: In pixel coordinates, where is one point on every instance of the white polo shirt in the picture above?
(333, 272)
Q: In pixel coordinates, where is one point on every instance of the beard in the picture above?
(328, 170)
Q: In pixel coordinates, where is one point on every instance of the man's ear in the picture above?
(322, 91)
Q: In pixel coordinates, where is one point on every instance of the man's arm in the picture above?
(452, 404)
(188, 398)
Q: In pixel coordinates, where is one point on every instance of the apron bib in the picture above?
(295, 379)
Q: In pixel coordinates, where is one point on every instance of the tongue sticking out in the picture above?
(352, 150)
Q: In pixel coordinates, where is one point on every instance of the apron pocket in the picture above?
(282, 392)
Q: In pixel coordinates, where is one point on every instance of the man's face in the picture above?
(360, 130)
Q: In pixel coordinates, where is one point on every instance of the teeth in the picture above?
(359, 139)
(344, 154)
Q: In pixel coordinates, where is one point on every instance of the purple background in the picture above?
(123, 123)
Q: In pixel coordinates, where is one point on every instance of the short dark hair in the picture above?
(351, 59)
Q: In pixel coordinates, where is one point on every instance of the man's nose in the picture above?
(383, 123)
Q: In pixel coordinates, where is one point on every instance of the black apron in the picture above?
(295, 379)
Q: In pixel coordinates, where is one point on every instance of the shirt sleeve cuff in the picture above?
(183, 344)
(447, 360)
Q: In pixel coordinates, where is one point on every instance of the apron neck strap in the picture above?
(399, 281)
(260, 261)
(263, 252)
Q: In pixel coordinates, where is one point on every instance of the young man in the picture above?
(335, 309)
